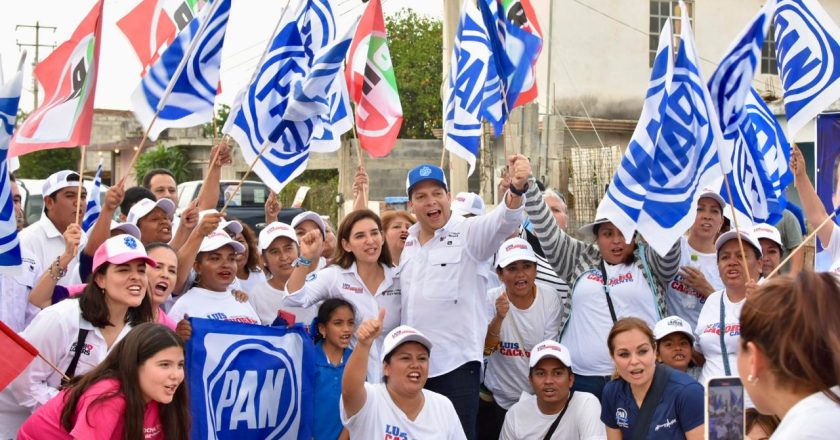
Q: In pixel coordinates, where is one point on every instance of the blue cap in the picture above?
(422, 173)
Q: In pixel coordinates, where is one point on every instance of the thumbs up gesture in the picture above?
(370, 329)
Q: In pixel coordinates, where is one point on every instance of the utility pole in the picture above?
(37, 45)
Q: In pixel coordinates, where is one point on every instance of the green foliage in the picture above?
(415, 43)
(321, 198)
(221, 117)
(174, 159)
(40, 164)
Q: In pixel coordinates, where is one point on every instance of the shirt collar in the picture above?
(47, 225)
(414, 230)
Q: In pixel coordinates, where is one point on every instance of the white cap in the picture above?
(58, 181)
(400, 335)
(672, 324)
(273, 231)
(712, 194)
(733, 235)
(763, 230)
(126, 228)
(144, 206)
(218, 239)
(515, 249)
(233, 226)
(467, 203)
(550, 348)
(309, 215)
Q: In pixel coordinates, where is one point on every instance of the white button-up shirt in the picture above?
(15, 309)
(44, 242)
(336, 282)
(443, 290)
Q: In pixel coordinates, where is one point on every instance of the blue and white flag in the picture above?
(10, 259)
(93, 208)
(741, 157)
(625, 196)
(773, 145)
(183, 82)
(257, 119)
(469, 74)
(665, 176)
(808, 56)
(250, 381)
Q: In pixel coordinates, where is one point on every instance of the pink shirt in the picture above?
(164, 319)
(103, 420)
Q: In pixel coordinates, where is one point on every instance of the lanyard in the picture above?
(722, 341)
(607, 291)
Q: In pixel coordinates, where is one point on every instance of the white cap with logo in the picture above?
(550, 348)
(763, 230)
(515, 249)
(401, 335)
(145, 206)
(672, 324)
(218, 239)
(274, 231)
(467, 203)
(309, 215)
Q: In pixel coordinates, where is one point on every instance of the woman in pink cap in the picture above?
(76, 334)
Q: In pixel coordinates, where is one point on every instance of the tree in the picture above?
(321, 198)
(221, 118)
(415, 42)
(174, 159)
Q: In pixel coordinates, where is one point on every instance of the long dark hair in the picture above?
(325, 312)
(345, 259)
(123, 364)
(253, 262)
(95, 309)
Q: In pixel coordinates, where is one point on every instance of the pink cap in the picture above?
(120, 249)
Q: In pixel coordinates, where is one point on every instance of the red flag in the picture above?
(68, 77)
(17, 354)
(372, 84)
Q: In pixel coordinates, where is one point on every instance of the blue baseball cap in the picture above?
(422, 173)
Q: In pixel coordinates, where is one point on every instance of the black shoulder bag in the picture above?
(71, 369)
(651, 401)
(556, 422)
(607, 291)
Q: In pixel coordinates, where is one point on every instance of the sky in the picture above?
(249, 28)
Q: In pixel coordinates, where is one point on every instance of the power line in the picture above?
(37, 45)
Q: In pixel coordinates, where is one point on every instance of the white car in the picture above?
(33, 201)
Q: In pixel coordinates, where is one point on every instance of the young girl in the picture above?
(336, 320)
(135, 393)
(675, 345)
(162, 280)
(76, 334)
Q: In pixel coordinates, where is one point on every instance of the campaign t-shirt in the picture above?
(223, 306)
(267, 301)
(582, 421)
(680, 410)
(707, 334)
(833, 250)
(683, 301)
(507, 367)
(590, 322)
(380, 418)
(102, 420)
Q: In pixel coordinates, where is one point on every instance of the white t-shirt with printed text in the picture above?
(582, 421)
(507, 368)
(707, 335)
(267, 301)
(590, 322)
(208, 304)
(380, 418)
(682, 300)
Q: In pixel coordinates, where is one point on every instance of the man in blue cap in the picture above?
(443, 279)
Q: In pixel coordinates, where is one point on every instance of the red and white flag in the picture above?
(68, 77)
(17, 355)
(373, 85)
(152, 25)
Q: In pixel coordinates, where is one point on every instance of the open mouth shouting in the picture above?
(225, 275)
(414, 377)
(637, 373)
(160, 288)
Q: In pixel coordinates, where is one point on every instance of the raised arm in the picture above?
(102, 228)
(353, 394)
(189, 219)
(664, 268)
(189, 251)
(301, 292)
(561, 250)
(41, 294)
(811, 204)
(361, 189)
(208, 195)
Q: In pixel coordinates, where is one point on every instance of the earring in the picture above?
(752, 379)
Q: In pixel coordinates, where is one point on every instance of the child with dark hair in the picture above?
(135, 393)
(335, 322)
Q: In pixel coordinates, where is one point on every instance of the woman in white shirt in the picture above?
(718, 326)
(789, 355)
(77, 333)
(361, 273)
(526, 314)
(815, 213)
(211, 298)
(400, 407)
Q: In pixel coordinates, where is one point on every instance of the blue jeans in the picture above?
(461, 386)
(591, 384)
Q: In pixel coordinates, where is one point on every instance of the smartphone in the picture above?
(724, 409)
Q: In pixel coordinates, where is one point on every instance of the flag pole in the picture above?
(52, 365)
(265, 146)
(737, 229)
(802, 245)
(81, 186)
(168, 90)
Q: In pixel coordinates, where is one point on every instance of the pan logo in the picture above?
(253, 390)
